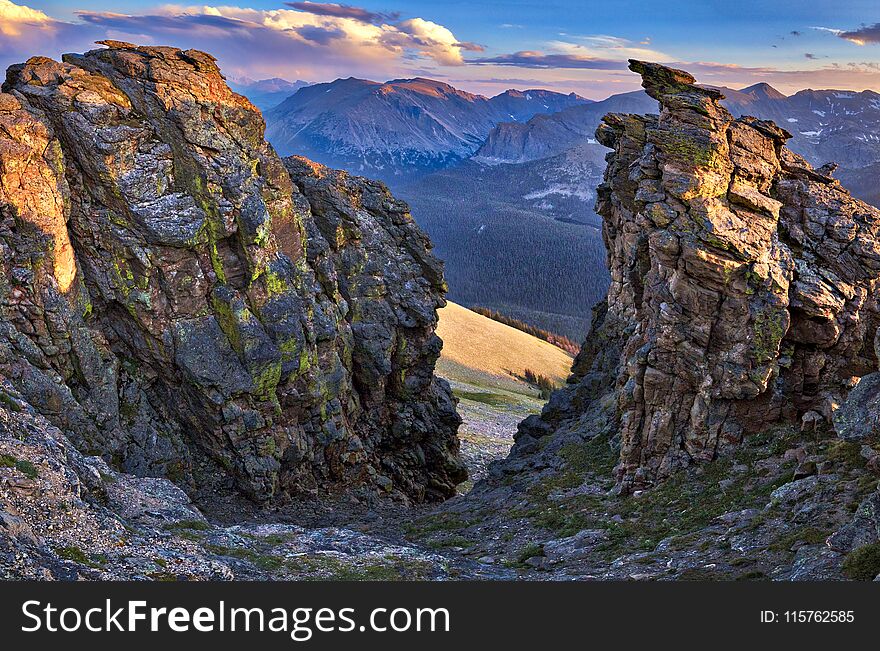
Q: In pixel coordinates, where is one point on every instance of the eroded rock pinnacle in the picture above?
(743, 286)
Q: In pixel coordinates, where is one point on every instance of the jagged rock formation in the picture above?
(742, 292)
(180, 302)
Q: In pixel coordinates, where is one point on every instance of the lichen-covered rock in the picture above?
(176, 303)
(742, 286)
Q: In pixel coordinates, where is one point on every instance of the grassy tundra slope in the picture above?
(484, 362)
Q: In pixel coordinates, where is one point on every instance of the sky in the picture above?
(484, 46)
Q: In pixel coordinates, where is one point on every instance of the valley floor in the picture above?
(485, 361)
(788, 505)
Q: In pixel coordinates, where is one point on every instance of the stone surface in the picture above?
(179, 301)
(742, 291)
(66, 516)
(859, 415)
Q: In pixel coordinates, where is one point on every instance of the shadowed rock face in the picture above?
(742, 291)
(224, 313)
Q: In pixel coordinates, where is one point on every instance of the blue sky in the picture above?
(485, 46)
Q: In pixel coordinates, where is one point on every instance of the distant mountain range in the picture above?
(265, 93)
(826, 125)
(512, 245)
(863, 182)
(398, 128)
(544, 136)
(505, 186)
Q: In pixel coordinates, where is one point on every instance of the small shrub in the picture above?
(754, 575)
(847, 453)
(162, 576)
(450, 541)
(807, 536)
(541, 382)
(529, 551)
(8, 402)
(73, 553)
(188, 525)
(491, 399)
(26, 468)
(699, 574)
(263, 561)
(863, 564)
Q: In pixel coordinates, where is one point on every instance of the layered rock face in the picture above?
(181, 301)
(742, 292)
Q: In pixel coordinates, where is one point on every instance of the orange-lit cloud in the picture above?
(308, 40)
(15, 19)
(338, 31)
(864, 35)
(320, 41)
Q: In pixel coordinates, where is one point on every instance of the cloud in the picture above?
(604, 46)
(471, 47)
(14, 18)
(831, 30)
(197, 24)
(863, 35)
(344, 11)
(532, 59)
(309, 40)
(810, 55)
(431, 40)
(25, 31)
(585, 52)
(320, 35)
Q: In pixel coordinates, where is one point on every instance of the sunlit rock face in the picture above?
(742, 286)
(224, 317)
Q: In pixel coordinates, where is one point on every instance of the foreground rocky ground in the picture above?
(66, 516)
(787, 505)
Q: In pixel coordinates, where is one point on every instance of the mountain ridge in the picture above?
(827, 125)
(265, 93)
(398, 127)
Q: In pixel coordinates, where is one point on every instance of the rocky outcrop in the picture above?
(180, 301)
(68, 516)
(742, 292)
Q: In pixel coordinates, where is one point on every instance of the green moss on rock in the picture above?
(863, 564)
